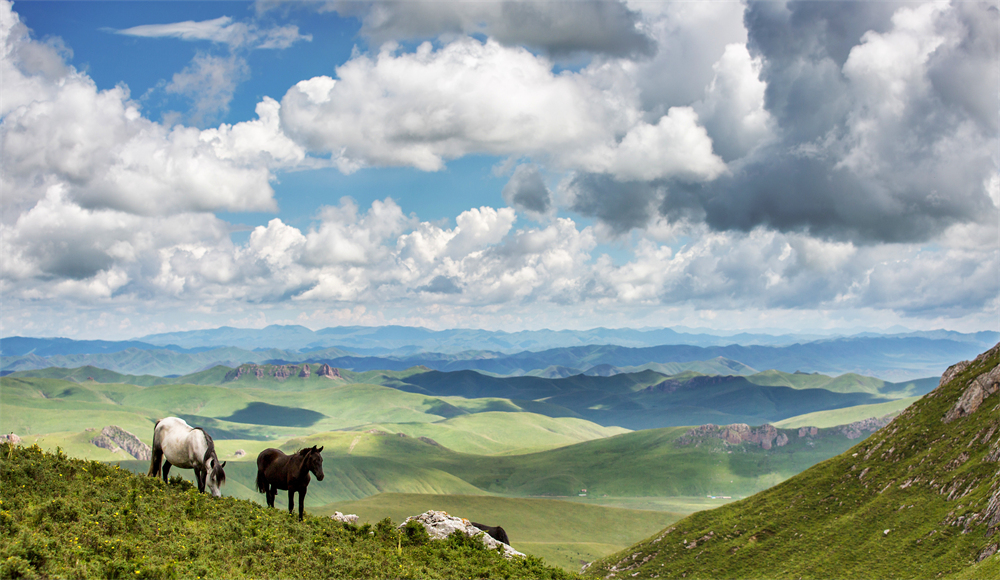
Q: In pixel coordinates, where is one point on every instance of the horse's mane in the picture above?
(210, 454)
(304, 451)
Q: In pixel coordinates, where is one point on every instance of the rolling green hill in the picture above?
(490, 433)
(269, 401)
(919, 499)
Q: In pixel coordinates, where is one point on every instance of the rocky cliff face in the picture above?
(864, 427)
(114, 438)
(328, 372)
(277, 372)
(766, 436)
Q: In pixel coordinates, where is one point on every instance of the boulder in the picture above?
(440, 525)
(347, 519)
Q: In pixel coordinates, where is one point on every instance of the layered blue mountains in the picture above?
(544, 353)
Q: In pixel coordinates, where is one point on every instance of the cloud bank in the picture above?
(806, 157)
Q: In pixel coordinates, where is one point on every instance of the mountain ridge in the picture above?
(888, 358)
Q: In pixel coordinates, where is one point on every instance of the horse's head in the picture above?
(216, 476)
(314, 461)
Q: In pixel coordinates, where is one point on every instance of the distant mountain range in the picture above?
(406, 340)
(892, 357)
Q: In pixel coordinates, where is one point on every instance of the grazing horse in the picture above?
(275, 471)
(190, 448)
(495, 532)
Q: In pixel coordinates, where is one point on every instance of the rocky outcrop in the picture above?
(979, 389)
(114, 438)
(239, 453)
(440, 525)
(767, 436)
(278, 372)
(10, 438)
(865, 427)
(808, 431)
(347, 519)
(328, 372)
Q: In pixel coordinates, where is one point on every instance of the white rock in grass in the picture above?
(440, 525)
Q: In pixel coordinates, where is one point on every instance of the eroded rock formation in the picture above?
(328, 372)
(278, 372)
(766, 436)
(114, 438)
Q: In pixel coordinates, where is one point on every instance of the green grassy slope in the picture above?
(647, 463)
(847, 415)
(490, 433)
(918, 499)
(563, 533)
(65, 518)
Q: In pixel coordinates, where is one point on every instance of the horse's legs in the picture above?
(291, 500)
(166, 470)
(270, 493)
(302, 502)
(200, 475)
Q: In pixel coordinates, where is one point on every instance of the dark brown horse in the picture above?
(275, 471)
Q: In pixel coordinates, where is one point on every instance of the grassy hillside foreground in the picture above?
(918, 499)
(69, 518)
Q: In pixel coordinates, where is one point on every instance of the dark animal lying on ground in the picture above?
(495, 532)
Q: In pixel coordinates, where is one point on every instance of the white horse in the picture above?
(190, 448)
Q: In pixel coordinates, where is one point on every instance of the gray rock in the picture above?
(440, 525)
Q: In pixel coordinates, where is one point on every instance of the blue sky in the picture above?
(510, 165)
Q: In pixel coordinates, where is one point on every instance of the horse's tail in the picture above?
(261, 482)
(157, 458)
(155, 462)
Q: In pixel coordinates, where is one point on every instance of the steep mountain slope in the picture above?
(918, 499)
